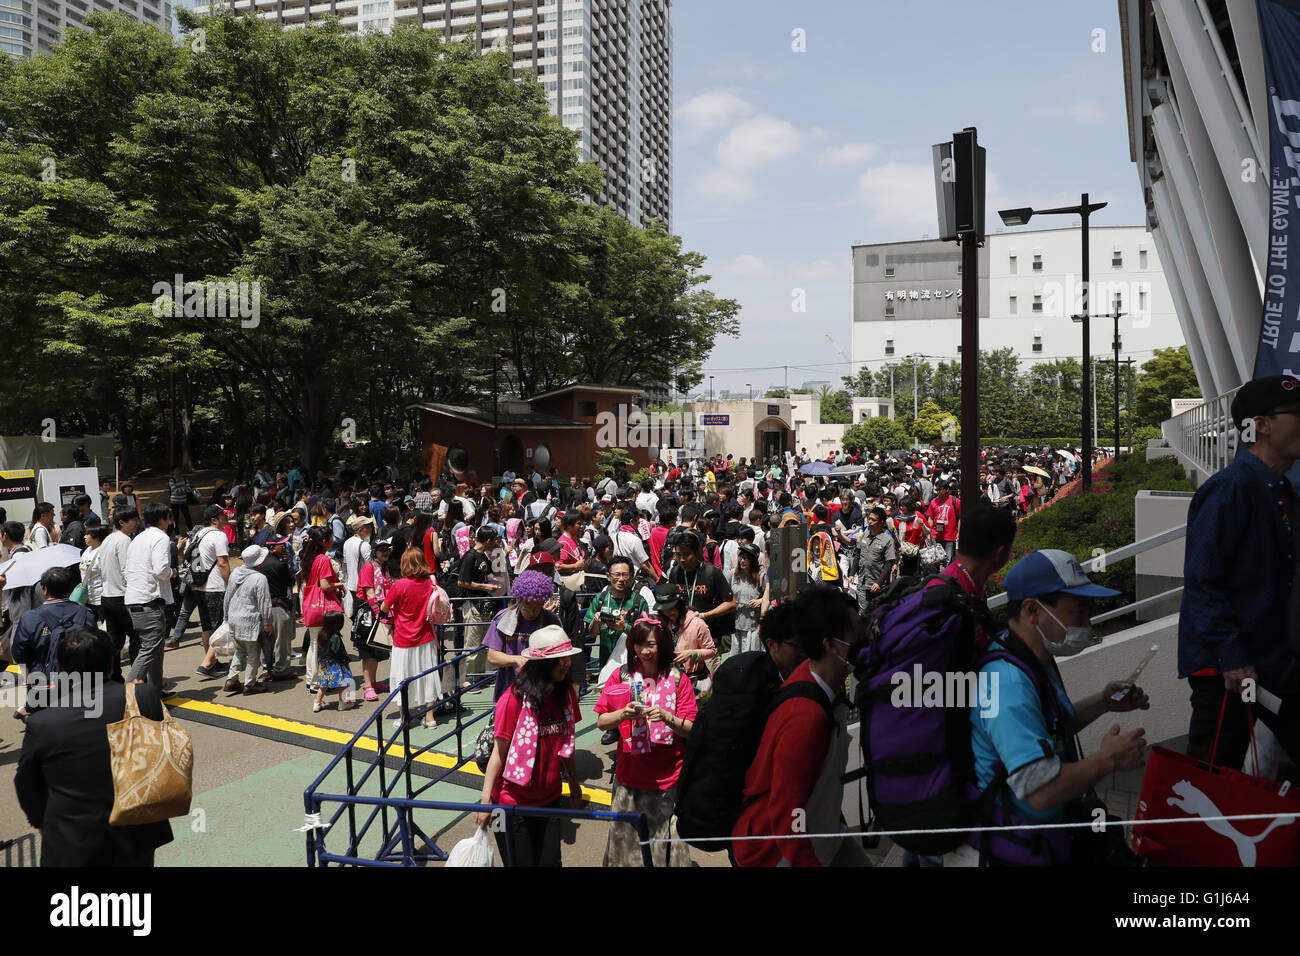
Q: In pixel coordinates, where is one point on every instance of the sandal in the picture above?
(370, 694)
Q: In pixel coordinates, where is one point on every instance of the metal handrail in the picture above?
(1122, 553)
(1205, 435)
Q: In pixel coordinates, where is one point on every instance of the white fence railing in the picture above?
(1205, 435)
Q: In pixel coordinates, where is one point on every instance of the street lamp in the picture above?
(1021, 216)
(710, 388)
(751, 391)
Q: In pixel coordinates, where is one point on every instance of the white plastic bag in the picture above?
(472, 851)
(222, 642)
(617, 658)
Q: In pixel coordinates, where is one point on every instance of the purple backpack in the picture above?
(916, 752)
(917, 759)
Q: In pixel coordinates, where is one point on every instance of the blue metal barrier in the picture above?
(399, 795)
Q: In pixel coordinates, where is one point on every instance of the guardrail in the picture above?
(1205, 435)
(392, 771)
(1122, 553)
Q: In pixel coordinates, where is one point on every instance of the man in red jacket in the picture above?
(793, 786)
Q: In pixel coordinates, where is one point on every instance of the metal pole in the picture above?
(1087, 361)
(1116, 344)
(1129, 405)
(914, 411)
(496, 434)
(171, 434)
(970, 380)
(1094, 411)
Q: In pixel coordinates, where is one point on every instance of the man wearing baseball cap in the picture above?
(1236, 627)
(1022, 734)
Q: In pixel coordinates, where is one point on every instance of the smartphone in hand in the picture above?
(1137, 672)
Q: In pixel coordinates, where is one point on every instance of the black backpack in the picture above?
(191, 576)
(710, 792)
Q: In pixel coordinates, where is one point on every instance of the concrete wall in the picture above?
(1160, 569)
(1114, 659)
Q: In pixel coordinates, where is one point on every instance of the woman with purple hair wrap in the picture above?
(507, 635)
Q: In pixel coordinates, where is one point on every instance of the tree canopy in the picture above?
(413, 217)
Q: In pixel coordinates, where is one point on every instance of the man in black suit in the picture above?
(64, 780)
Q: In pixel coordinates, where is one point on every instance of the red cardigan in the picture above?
(795, 742)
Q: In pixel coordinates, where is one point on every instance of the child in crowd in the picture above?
(334, 666)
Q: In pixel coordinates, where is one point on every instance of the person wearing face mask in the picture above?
(794, 784)
(1027, 743)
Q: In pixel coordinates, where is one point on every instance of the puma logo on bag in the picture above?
(1196, 803)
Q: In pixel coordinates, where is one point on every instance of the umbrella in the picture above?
(25, 569)
(1034, 469)
(1067, 455)
(850, 470)
(815, 468)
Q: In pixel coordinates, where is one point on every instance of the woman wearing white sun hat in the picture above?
(536, 728)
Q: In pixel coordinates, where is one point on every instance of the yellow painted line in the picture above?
(340, 737)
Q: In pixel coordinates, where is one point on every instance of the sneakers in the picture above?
(234, 685)
(610, 737)
(317, 706)
(287, 675)
(216, 670)
(256, 689)
(172, 646)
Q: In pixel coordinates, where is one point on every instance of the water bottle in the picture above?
(638, 689)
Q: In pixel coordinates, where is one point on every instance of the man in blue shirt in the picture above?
(1028, 737)
(1236, 628)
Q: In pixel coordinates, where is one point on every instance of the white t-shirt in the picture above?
(467, 508)
(356, 552)
(647, 501)
(41, 537)
(212, 545)
(629, 545)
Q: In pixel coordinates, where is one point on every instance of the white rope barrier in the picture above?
(1000, 829)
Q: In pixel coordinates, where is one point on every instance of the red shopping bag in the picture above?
(1178, 786)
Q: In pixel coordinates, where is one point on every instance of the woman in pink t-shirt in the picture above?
(535, 728)
(650, 761)
(373, 583)
(415, 651)
(321, 591)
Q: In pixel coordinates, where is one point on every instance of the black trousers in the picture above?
(1207, 700)
(536, 839)
(117, 622)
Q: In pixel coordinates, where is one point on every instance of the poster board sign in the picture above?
(18, 494)
(60, 485)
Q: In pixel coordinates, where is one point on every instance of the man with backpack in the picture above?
(36, 636)
(794, 784)
(1025, 759)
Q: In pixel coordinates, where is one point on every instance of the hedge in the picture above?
(1080, 523)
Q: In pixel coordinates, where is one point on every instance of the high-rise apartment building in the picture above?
(28, 27)
(606, 66)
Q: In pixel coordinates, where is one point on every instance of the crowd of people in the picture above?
(643, 591)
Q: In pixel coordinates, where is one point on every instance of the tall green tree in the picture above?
(1166, 375)
(408, 210)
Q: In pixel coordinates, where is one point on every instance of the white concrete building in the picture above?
(1199, 124)
(606, 66)
(28, 27)
(907, 296)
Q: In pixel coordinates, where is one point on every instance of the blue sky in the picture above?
(781, 159)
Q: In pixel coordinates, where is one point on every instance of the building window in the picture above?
(889, 346)
(959, 268)
(1038, 343)
(1011, 306)
(1142, 300)
(586, 409)
(1117, 260)
(889, 309)
(959, 350)
(1142, 258)
(1011, 265)
(1038, 263)
(1038, 303)
(959, 308)
(889, 272)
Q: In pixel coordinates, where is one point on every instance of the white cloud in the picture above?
(899, 194)
(847, 154)
(713, 109)
(763, 139)
(813, 271)
(747, 265)
(721, 183)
